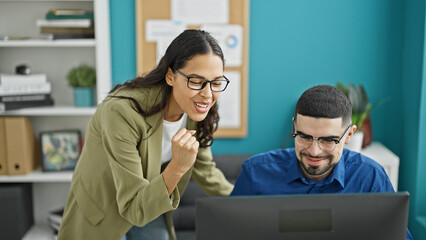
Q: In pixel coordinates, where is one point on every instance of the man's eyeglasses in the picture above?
(198, 83)
(324, 143)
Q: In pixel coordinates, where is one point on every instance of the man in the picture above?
(318, 163)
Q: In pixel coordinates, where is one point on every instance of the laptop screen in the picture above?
(314, 216)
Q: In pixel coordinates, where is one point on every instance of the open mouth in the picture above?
(202, 107)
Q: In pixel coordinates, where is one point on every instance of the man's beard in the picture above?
(316, 170)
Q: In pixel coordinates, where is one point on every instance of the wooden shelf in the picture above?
(49, 43)
(52, 111)
(38, 176)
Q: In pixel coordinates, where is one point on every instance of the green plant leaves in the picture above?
(361, 107)
(358, 97)
(82, 76)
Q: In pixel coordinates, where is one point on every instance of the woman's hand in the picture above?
(184, 152)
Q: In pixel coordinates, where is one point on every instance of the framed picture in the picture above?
(60, 150)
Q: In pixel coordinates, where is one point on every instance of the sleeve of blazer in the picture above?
(210, 178)
(139, 200)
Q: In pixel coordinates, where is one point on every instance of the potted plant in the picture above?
(361, 108)
(83, 80)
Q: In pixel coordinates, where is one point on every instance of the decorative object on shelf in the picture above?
(60, 150)
(356, 141)
(83, 79)
(368, 132)
(361, 108)
(23, 69)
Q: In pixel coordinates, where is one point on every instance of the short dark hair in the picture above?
(324, 101)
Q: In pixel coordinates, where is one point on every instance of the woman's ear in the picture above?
(170, 77)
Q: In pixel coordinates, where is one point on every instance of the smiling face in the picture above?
(315, 163)
(195, 103)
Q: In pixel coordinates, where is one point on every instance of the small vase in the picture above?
(368, 132)
(83, 97)
(355, 142)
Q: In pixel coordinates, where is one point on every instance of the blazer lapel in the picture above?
(155, 135)
(151, 151)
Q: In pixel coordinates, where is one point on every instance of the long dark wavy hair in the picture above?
(185, 46)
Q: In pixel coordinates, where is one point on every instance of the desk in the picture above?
(386, 158)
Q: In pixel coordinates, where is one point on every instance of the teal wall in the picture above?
(412, 166)
(295, 44)
(123, 40)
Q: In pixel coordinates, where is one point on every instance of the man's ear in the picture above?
(351, 132)
(170, 77)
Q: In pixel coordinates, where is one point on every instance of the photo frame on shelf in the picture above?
(60, 150)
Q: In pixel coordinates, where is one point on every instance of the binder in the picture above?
(3, 159)
(22, 151)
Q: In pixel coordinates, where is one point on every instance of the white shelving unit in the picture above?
(38, 176)
(52, 111)
(39, 232)
(49, 43)
(55, 58)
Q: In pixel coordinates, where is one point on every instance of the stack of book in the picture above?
(24, 91)
(67, 23)
(54, 219)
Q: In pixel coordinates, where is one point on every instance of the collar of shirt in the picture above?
(295, 173)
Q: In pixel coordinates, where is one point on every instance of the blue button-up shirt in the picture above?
(277, 172)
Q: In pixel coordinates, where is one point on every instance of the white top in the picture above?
(169, 130)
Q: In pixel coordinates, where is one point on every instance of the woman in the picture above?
(145, 141)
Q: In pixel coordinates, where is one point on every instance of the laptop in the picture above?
(304, 217)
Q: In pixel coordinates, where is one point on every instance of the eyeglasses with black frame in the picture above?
(198, 83)
(324, 143)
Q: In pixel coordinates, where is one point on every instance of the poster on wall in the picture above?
(230, 38)
(196, 12)
(162, 32)
(230, 102)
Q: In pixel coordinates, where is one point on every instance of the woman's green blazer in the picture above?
(117, 182)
